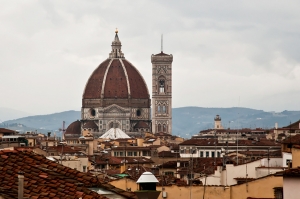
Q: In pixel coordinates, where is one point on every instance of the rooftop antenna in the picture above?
(161, 43)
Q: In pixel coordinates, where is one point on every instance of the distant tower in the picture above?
(162, 93)
(218, 123)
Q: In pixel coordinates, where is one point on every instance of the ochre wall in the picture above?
(182, 191)
(261, 188)
(296, 157)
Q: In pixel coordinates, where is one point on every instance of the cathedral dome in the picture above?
(115, 79)
(74, 129)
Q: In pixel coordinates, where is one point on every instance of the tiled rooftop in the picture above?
(46, 179)
(211, 142)
(294, 172)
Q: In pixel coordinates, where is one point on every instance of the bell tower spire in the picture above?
(116, 48)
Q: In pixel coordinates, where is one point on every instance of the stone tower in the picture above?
(218, 123)
(162, 93)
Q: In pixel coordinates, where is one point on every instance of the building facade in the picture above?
(162, 93)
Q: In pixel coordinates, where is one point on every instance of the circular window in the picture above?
(138, 113)
(93, 112)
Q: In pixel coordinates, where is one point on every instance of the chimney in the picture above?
(147, 187)
(20, 184)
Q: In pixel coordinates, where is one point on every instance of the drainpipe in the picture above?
(20, 184)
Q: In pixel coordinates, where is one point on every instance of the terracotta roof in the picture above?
(163, 134)
(46, 179)
(4, 130)
(137, 160)
(116, 82)
(141, 124)
(65, 149)
(168, 154)
(74, 128)
(294, 172)
(101, 159)
(90, 124)
(294, 139)
(132, 148)
(206, 165)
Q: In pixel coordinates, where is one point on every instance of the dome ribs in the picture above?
(114, 84)
(94, 84)
(138, 86)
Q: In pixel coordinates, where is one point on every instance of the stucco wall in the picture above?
(291, 188)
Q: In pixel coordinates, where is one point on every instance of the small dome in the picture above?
(147, 177)
(74, 129)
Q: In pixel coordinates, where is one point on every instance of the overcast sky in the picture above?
(226, 53)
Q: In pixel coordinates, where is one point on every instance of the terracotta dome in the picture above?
(73, 129)
(116, 81)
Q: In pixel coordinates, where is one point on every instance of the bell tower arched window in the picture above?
(159, 128)
(161, 86)
(164, 128)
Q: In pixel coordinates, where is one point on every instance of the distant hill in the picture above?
(187, 121)
(9, 114)
(42, 123)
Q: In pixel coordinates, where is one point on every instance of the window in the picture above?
(129, 153)
(84, 168)
(161, 86)
(159, 127)
(207, 154)
(164, 128)
(201, 154)
(121, 153)
(135, 153)
(212, 154)
(164, 109)
(182, 151)
(169, 173)
(93, 112)
(278, 192)
(116, 153)
(138, 112)
(158, 109)
(219, 154)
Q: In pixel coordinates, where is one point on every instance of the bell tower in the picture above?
(162, 93)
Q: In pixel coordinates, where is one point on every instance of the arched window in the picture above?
(164, 109)
(161, 86)
(164, 128)
(138, 112)
(159, 128)
(158, 108)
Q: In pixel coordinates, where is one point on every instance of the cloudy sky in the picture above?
(226, 53)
